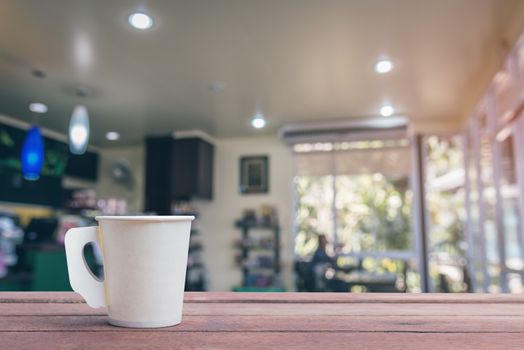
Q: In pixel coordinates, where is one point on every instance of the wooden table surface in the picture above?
(275, 321)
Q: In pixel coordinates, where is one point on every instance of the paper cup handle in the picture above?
(81, 278)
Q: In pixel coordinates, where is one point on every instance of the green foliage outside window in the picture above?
(373, 213)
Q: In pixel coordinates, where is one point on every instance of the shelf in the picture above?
(256, 249)
(254, 225)
(259, 268)
(268, 251)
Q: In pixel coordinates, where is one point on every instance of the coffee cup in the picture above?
(144, 263)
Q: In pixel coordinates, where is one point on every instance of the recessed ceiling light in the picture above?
(387, 110)
(112, 136)
(258, 121)
(37, 107)
(383, 66)
(140, 21)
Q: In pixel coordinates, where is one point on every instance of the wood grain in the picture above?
(297, 309)
(417, 324)
(269, 340)
(276, 321)
(218, 297)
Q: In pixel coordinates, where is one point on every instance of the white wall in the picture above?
(217, 217)
(105, 186)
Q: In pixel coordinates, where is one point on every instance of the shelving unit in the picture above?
(259, 257)
(196, 274)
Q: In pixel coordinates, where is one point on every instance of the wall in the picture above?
(217, 217)
(106, 187)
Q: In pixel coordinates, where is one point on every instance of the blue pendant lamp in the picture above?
(33, 154)
(32, 157)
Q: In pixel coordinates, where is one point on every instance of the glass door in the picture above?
(511, 218)
(446, 214)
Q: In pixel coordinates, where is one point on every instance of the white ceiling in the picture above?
(297, 60)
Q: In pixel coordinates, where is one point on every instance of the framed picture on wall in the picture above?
(254, 174)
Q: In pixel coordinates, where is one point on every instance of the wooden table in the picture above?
(275, 321)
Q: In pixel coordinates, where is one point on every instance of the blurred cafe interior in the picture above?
(335, 145)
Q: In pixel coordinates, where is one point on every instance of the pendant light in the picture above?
(79, 129)
(33, 154)
(32, 157)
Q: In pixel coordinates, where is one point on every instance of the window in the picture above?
(358, 195)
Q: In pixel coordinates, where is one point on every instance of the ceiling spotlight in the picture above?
(140, 21)
(37, 107)
(387, 110)
(383, 66)
(258, 121)
(112, 136)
